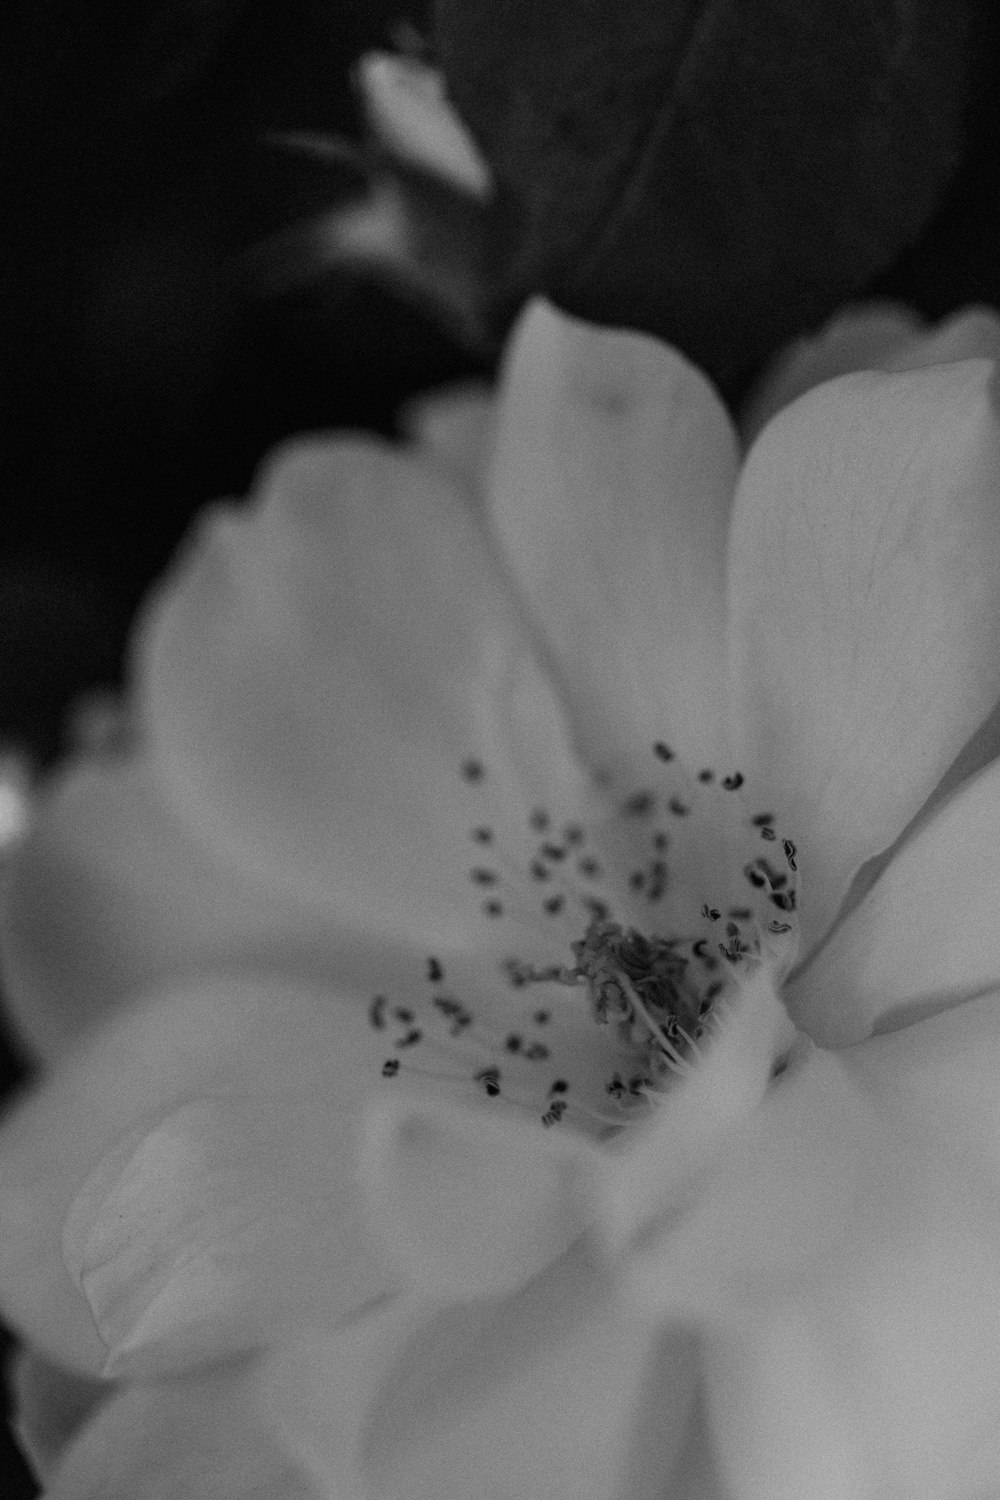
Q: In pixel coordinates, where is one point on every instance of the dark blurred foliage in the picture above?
(144, 367)
(721, 174)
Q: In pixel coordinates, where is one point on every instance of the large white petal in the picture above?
(112, 893)
(199, 1438)
(924, 937)
(225, 1222)
(610, 492)
(557, 1393)
(865, 607)
(844, 1257)
(466, 1203)
(299, 1047)
(319, 669)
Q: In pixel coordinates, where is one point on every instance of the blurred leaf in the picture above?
(720, 173)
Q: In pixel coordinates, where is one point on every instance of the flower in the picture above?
(360, 1170)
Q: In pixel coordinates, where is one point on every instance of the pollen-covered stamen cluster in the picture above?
(657, 997)
(437, 1034)
(597, 897)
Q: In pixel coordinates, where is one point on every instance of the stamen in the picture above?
(657, 990)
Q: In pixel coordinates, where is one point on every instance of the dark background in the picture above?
(142, 374)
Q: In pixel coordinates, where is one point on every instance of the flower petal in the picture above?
(845, 1258)
(111, 893)
(657, 1167)
(200, 1438)
(558, 1391)
(972, 333)
(865, 608)
(455, 426)
(223, 1223)
(408, 111)
(862, 337)
(610, 492)
(321, 669)
(300, 1051)
(870, 336)
(467, 1205)
(925, 935)
(50, 1405)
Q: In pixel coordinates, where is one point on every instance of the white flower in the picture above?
(354, 1090)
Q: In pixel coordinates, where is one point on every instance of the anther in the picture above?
(376, 1012)
(489, 1078)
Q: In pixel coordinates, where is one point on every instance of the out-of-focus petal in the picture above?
(774, 1366)
(227, 1222)
(648, 1171)
(455, 426)
(610, 492)
(111, 893)
(871, 336)
(848, 1247)
(201, 1438)
(323, 673)
(409, 113)
(297, 1048)
(863, 337)
(467, 1203)
(558, 1391)
(50, 1405)
(308, 1044)
(972, 333)
(925, 935)
(865, 608)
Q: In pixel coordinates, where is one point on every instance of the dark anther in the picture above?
(376, 1012)
(490, 1080)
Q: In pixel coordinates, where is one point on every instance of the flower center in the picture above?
(602, 907)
